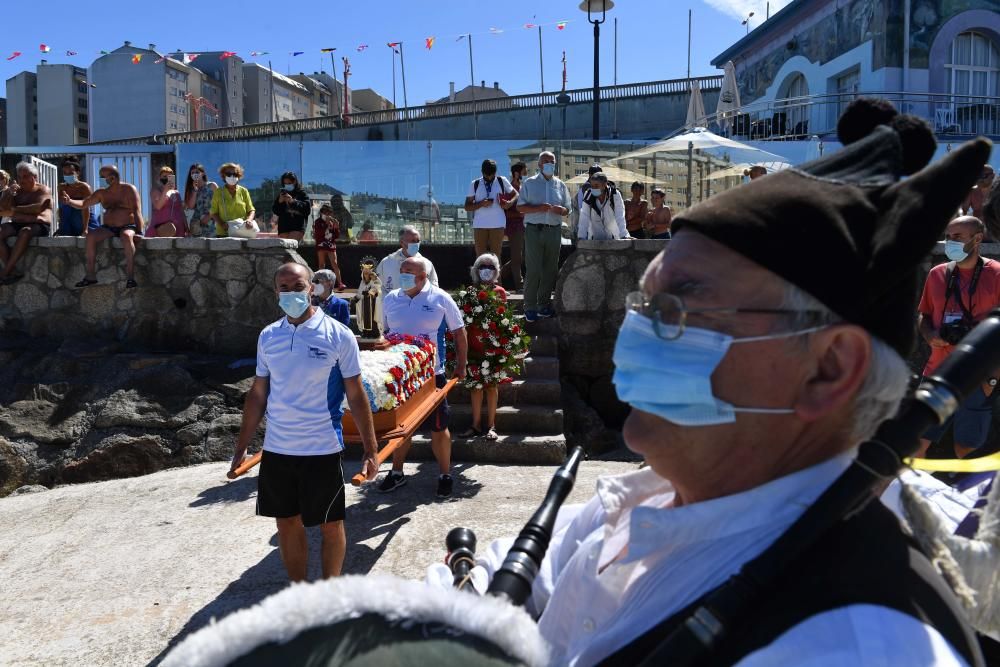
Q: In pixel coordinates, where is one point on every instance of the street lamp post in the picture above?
(592, 7)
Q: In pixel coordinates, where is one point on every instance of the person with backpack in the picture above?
(487, 200)
(602, 212)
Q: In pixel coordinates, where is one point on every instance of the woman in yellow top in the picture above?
(232, 201)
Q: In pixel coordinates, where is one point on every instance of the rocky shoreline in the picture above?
(87, 410)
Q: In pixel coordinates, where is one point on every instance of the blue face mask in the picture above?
(407, 281)
(548, 168)
(69, 179)
(288, 187)
(955, 250)
(672, 379)
(294, 303)
(412, 248)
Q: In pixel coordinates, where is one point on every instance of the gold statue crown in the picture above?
(368, 262)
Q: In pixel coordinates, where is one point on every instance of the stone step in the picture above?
(541, 368)
(517, 448)
(547, 326)
(545, 346)
(527, 419)
(518, 392)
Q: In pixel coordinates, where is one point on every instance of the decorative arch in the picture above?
(975, 20)
(793, 117)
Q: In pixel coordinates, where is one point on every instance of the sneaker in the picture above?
(546, 312)
(444, 486)
(391, 482)
(530, 316)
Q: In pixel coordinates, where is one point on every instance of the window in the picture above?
(81, 117)
(83, 134)
(81, 88)
(81, 102)
(975, 66)
(670, 177)
(847, 89)
(793, 116)
(580, 159)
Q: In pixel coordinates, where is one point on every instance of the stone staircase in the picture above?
(529, 417)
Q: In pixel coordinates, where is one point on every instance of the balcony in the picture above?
(797, 118)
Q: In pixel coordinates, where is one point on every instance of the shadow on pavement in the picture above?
(235, 491)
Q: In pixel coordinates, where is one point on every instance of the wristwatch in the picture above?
(991, 382)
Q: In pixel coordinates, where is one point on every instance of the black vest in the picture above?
(864, 560)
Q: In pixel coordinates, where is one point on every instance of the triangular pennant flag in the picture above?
(429, 43)
(14, 55)
(105, 53)
(495, 31)
(461, 37)
(297, 53)
(157, 62)
(44, 48)
(137, 58)
(393, 45)
(362, 47)
(529, 26)
(254, 54)
(227, 54)
(71, 53)
(189, 57)
(328, 50)
(561, 25)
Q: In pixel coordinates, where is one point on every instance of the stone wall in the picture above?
(206, 295)
(590, 301)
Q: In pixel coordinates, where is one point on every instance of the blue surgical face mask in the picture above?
(955, 250)
(412, 248)
(288, 187)
(672, 379)
(407, 281)
(549, 168)
(69, 179)
(294, 303)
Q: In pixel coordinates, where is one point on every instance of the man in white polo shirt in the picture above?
(306, 363)
(418, 308)
(489, 220)
(388, 268)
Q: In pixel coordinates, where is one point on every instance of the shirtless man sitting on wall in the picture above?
(29, 203)
(122, 219)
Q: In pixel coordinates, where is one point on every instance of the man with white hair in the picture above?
(409, 246)
(29, 204)
(418, 307)
(545, 201)
(323, 284)
(754, 370)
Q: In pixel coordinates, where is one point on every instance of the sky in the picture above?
(652, 38)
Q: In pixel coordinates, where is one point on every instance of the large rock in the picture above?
(119, 456)
(43, 421)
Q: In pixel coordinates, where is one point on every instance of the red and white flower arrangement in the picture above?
(392, 376)
(504, 341)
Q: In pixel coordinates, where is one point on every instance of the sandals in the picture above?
(491, 434)
(86, 282)
(130, 283)
(469, 433)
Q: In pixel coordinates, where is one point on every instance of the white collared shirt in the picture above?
(596, 602)
(422, 315)
(306, 366)
(388, 269)
(489, 217)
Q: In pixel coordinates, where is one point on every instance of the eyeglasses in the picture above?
(670, 316)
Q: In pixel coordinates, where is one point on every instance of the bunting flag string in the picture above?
(295, 53)
(14, 55)
(71, 53)
(227, 54)
(44, 48)
(429, 43)
(327, 50)
(136, 58)
(362, 47)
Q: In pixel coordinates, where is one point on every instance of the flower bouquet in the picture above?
(500, 340)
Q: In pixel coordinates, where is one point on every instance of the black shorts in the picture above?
(286, 226)
(439, 419)
(117, 231)
(312, 486)
(37, 228)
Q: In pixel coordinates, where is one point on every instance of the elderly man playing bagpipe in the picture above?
(764, 348)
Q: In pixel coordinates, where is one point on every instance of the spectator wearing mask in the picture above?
(198, 193)
(957, 295)
(484, 277)
(602, 216)
(343, 215)
(326, 230)
(485, 202)
(232, 202)
(515, 227)
(545, 201)
(328, 302)
(409, 246)
(574, 221)
(168, 209)
(636, 209)
(71, 220)
(292, 207)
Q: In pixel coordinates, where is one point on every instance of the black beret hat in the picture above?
(845, 228)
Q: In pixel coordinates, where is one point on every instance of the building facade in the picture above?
(227, 74)
(336, 88)
(63, 108)
(271, 96)
(936, 58)
(320, 99)
(366, 99)
(22, 110)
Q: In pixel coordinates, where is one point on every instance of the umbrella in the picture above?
(700, 139)
(617, 174)
(729, 96)
(737, 169)
(696, 106)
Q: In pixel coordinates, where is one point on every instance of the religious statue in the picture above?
(368, 302)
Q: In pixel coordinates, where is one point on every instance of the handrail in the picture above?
(437, 110)
(816, 115)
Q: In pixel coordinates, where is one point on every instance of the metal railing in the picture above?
(798, 118)
(444, 109)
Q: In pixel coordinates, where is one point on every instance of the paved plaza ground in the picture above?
(113, 573)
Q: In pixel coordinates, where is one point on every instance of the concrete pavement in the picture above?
(113, 573)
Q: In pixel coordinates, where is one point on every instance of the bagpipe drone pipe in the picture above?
(385, 620)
